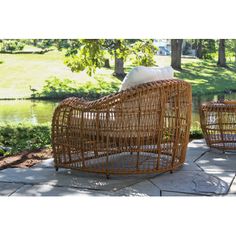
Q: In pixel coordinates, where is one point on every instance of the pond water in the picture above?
(41, 111)
(26, 110)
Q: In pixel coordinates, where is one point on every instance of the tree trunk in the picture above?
(107, 63)
(221, 54)
(119, 67)
(234, 41)
(199, 49)
(176, 51)
(119, 62)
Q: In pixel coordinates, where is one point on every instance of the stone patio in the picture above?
(205, 173)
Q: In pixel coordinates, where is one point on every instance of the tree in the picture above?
(85, 54)
(205, 48)
(234, 48)
(199, 46)
(221, 54)
(120, 53)
(90, 54)
(176, 51)
(209, 48)
(107, 63)
(230, 48)
(144, 51)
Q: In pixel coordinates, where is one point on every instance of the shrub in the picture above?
(62, 88)
(24, 136)
(196, 134)
(11, 45)
(196, 131)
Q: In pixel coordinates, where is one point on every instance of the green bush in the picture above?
(62, 88)
(196, 131)
(24, 136)
(196, 134)
(11, 45)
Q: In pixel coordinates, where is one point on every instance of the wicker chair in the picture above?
(218, 123)
(144, 129)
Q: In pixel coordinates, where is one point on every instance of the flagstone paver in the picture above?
(196, 182)
(50, 190)
(145, 188)
(45, 164)
(67, 178)
(233, 188)
(205, 173)
(7, 189)
(217, 161)
(176, 194)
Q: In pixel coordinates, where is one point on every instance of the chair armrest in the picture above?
(74, 102)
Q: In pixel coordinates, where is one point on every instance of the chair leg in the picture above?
(107, 176)
(137, 162)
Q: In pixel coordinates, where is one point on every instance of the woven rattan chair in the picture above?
(144, 129)
(218, 122)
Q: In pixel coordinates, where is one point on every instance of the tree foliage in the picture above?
(205, 48)
(230, 45)
(90, 54)
(144, 52)
(209, 48)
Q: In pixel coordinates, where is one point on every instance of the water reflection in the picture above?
(41, 111)
(26, 110)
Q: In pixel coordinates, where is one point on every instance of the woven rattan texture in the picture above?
(144, 129)
(218, 122)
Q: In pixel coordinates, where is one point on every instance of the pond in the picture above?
(41, 111)
(26, 110)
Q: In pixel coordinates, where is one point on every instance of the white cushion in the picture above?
(143, 74)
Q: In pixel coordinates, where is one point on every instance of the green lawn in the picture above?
(206, 77)
(20, 71)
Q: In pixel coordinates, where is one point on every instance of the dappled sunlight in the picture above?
(207, 181)
(217, 161)
(50, 190)
(205, 171)
(205, 76)
(67, 178)
(200, 81)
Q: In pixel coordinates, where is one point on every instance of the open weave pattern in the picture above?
(218, 122)
(144, 129)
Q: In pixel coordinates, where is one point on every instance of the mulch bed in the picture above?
(25, 159)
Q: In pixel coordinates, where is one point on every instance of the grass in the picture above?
(206, 77)
(19, 72)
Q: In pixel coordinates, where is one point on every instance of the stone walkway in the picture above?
(205, 173)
